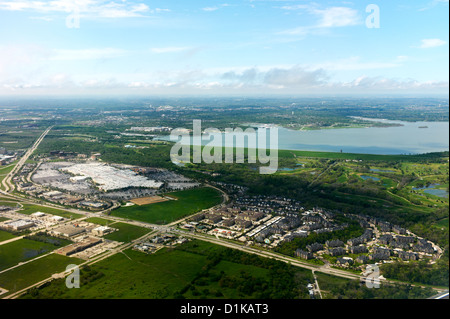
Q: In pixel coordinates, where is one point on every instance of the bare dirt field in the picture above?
(148, 200)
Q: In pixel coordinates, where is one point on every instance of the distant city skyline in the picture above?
(245, 47)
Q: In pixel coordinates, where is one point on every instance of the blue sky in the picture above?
(245, 47)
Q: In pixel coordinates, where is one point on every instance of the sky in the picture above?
(235, 47)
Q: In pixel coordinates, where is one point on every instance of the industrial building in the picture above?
(102, 230)
(80, 246)
(68, 231)
(19, 224)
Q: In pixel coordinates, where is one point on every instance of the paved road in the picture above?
(442, 295)
(7, 183)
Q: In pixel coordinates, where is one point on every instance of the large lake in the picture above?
(410, 138)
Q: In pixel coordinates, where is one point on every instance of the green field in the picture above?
(35, 271)
(355, 156)
(443, 223)
(22, 250)
(126, 232)
(187, 202)
(29, 209)
(99, 221)
(4, 170)
(134, 275)
(4, 235)
(193, 270)
(8, 203)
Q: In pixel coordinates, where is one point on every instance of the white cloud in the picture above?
(355, 63)
(331, 17)
(87, 54)
(431, 43)
(337, 17)
(32, 70)
(87, 8)
(433, 4)
(170, 49)
(275, 81)
(296, 7)
(389, 85)
(208, 9)
(277, 77)
(161, 10)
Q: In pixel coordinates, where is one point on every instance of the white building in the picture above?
(38, 214)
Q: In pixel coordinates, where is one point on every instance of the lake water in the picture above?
(406, 139)
(430, 189)
(365, 177)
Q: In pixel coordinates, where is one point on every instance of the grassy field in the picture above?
(135, 275)
(21, 250)
(354, 156)
(8, 203)
(4, 170)
(35, 271)
(169, 273)
(443, 223)
(4, 235)
(99, 221)
(126, 232)
(29, 209)
(187, 202)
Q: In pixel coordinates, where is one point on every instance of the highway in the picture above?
(7, 181)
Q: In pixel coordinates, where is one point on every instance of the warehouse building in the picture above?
(68, 231)
(19, 224)
(80, 246)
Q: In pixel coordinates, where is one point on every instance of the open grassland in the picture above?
(189, 271)
(99, 221)
(5, 202)
(33, 272)
(132, 274)
(126, 232)
(4, 235)
(354, 156)
(22, 250)
(186, 203)
(29, 209)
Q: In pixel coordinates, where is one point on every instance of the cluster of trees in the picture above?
(418, 272)
(56, 289)
(355, 290)
(281, 282)
(44, 238)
